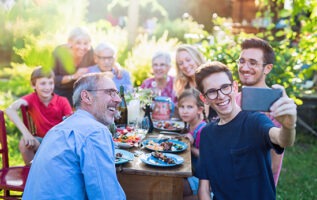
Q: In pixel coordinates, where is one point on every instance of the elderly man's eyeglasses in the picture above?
(110, 92)
(213, 93)
(105, 57)
(251, 63)
(162, 65)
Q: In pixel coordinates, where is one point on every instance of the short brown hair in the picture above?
(258, 43)
(205, 70)
(39, 72)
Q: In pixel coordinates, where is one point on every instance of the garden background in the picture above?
(31, 29)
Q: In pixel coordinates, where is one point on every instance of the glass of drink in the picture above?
(133, 112)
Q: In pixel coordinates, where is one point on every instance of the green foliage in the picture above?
(225, 47)
(37, 51)
(103, 31)
(16, 80)
(139, 59)
(13, 144)
(185, 30)
(144, 95)
(148, 8)
(295, 44)
(26, 18)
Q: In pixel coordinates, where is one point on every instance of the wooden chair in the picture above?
(27, 120)
(11, 178)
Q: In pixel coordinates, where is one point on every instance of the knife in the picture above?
(170, 133)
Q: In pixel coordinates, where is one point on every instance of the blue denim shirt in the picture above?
(75, 161)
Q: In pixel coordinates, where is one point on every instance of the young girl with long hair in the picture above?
(191, 111)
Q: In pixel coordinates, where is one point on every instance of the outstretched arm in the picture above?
(117, 70)
(12, 113)
(285, 112)
(204, 190)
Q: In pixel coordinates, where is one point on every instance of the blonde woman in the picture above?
(188, 59)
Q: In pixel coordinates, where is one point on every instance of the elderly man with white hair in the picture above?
(105, 59)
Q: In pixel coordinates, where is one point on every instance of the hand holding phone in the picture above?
(259, 99)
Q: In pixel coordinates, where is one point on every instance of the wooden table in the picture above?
(141, 181)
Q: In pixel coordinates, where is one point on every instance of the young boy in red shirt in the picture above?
(46, 109)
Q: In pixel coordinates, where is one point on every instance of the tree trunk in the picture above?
(133, 21)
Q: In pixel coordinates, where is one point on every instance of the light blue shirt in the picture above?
(75, 161)
(125, 80)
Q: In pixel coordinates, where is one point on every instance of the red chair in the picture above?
(11, 178)
(27, 120)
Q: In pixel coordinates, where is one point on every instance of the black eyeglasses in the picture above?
(213, 93)
(110, 92)
(251, 63)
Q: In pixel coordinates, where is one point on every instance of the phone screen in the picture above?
(259, 99)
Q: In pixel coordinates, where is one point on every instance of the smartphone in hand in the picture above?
(259, 99)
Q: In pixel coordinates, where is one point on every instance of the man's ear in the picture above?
(267, 68)
(203, 98)
(86, 97)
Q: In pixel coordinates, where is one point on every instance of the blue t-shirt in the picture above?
(125, 80)
(235, 157)
(75, 161)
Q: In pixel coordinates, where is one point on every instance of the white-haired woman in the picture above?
(162, 83)
(71, 61)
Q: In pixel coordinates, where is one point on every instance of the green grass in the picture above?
(298, 179)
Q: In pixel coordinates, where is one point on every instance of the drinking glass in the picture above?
(143, 126)
(133, 111)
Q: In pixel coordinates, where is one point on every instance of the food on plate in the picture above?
(131, 139)
(167, 146)
(162, 157)
(122, 156)
(169, 125)
(118, 155)
(126, 130)
(163, 146)
(154, 146)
